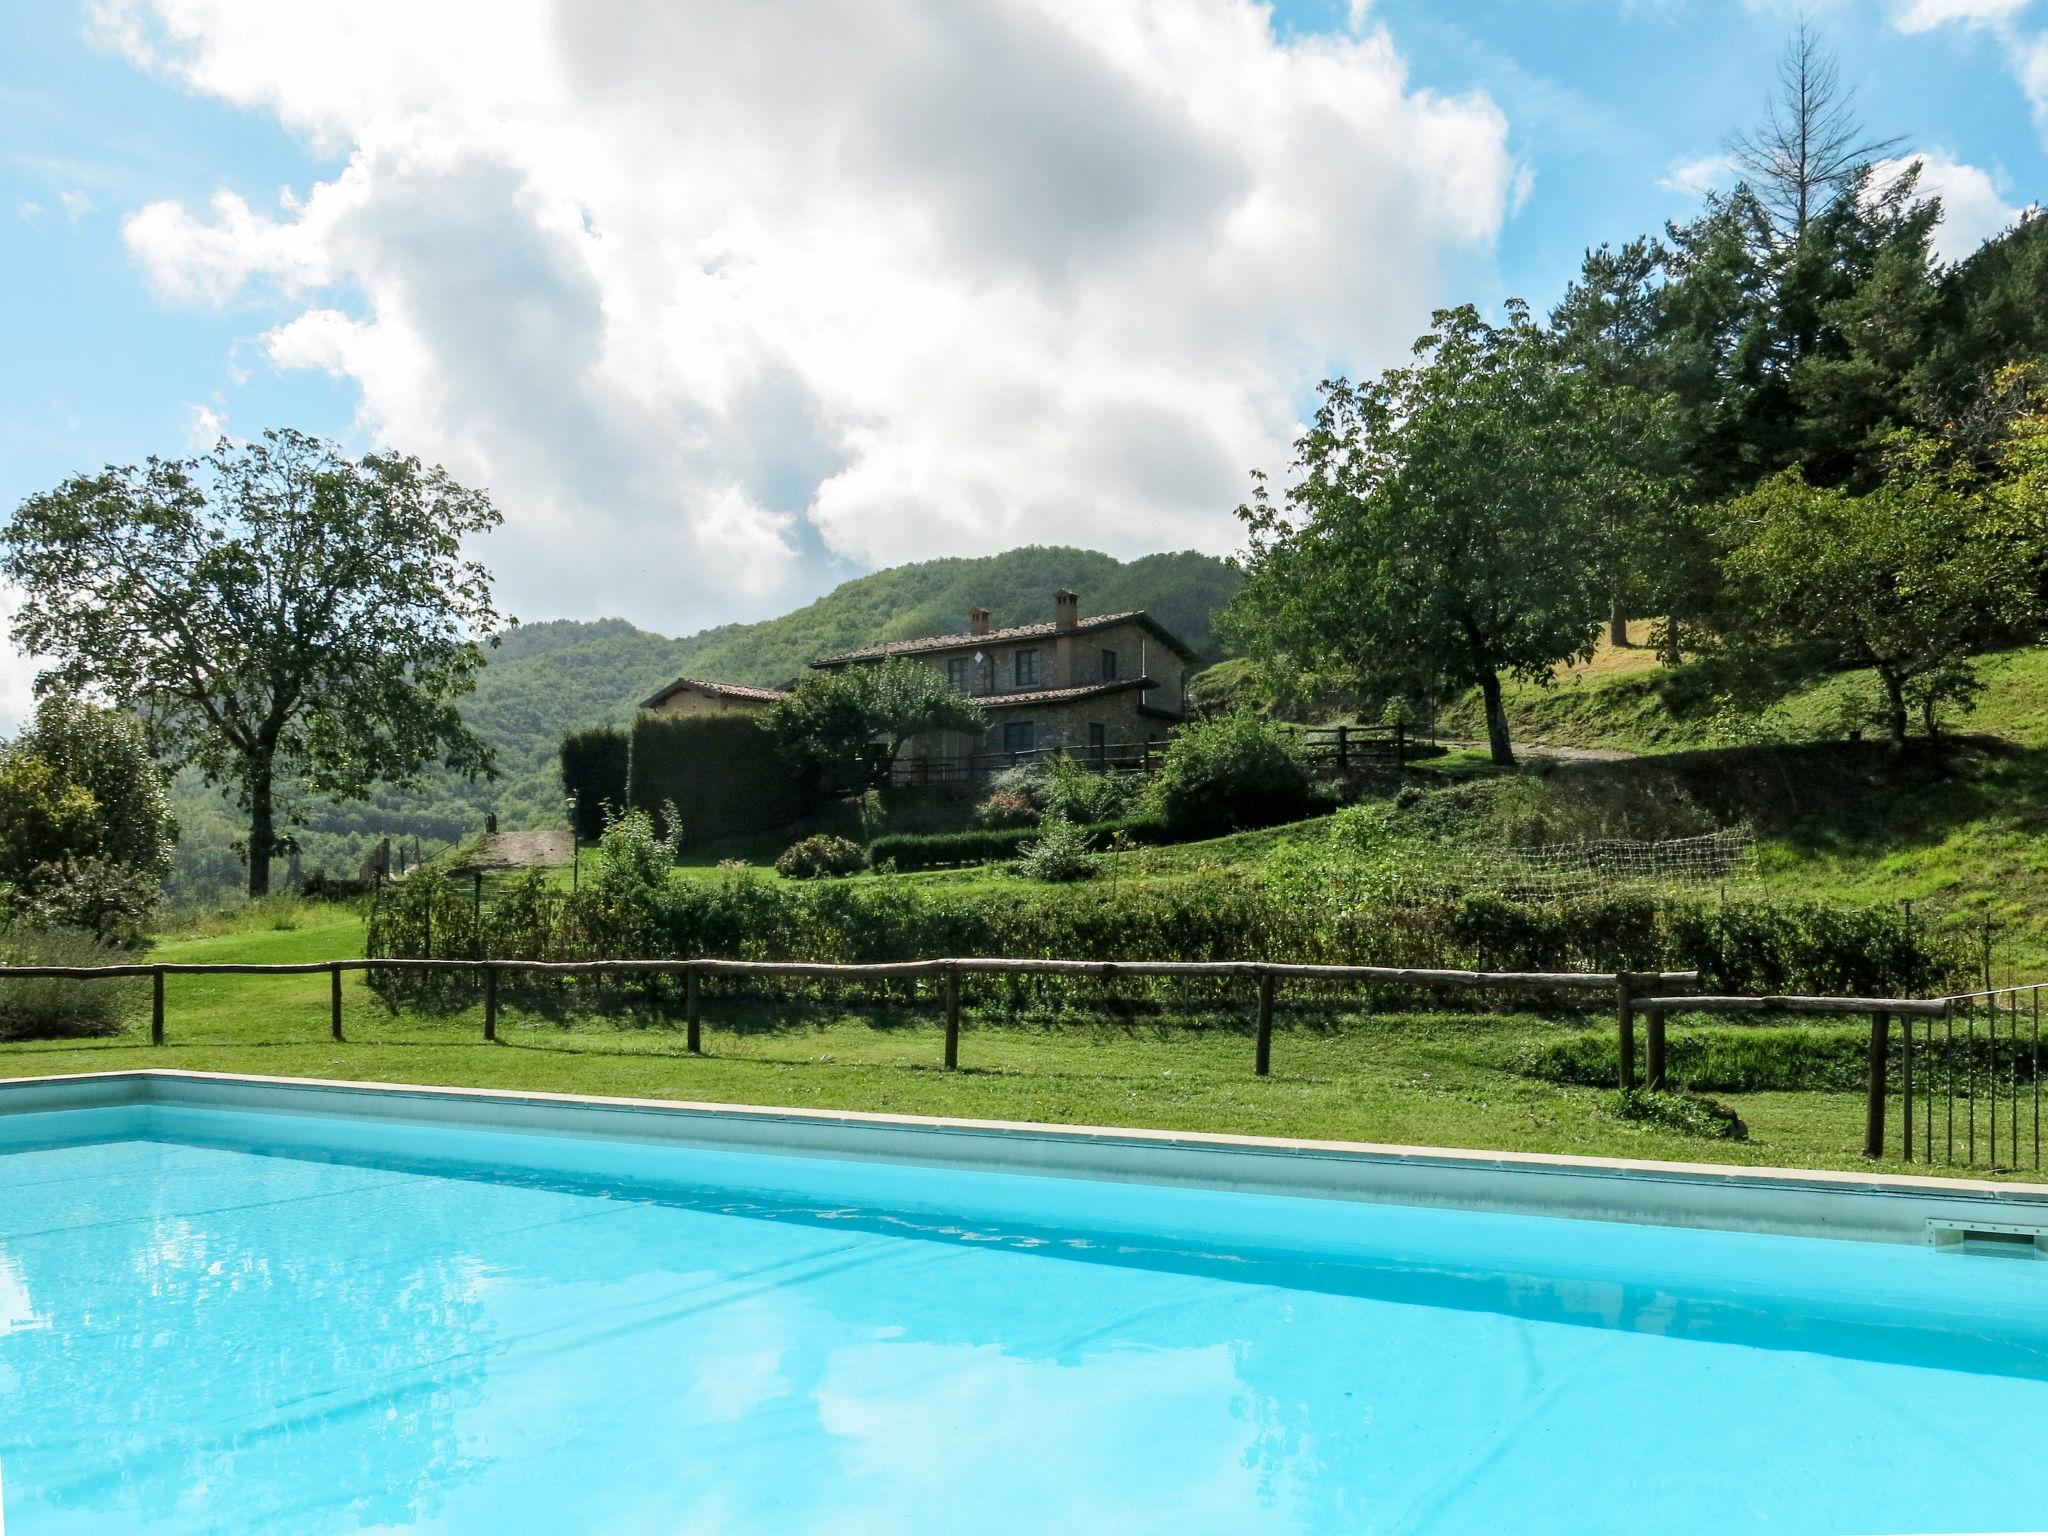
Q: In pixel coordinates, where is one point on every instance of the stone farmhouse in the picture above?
(1106, 688)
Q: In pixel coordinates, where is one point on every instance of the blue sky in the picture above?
(878, 283)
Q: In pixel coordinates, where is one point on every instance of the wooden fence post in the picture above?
(490, 1002)
(1343, 746)
(1263, 1062)
(334, 1000)
(952, 1018)
(156, 1007)
(1906, 1086)
(693, 1010)
(1873, 1109)
(1625, 1030)
(1653, 1048)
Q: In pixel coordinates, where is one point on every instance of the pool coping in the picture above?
(1889, 1207)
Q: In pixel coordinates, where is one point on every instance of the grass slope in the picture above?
(1958, 829)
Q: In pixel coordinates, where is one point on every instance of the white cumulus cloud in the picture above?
(1972, 210)
(2025, 49)
(716, 298)
(1925, 15)
(1696, 177)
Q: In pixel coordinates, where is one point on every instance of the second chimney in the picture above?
(1066, 609)
(977, 621)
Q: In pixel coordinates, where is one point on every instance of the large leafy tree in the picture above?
(283, 616)
(853, 723)
(1451, 517)
(1905, 579)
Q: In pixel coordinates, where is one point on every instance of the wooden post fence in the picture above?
(1873, 1097)
(952, 988)
(1653, 1061)
(1625, 1030)
(1632, 993)
(1262, 1063)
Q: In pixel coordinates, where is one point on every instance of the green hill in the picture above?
(548, 678)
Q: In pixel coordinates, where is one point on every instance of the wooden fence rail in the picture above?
(1648, 994)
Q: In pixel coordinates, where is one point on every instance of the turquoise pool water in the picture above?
(231, 1321)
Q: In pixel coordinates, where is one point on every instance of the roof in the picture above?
(1042, 631)
(1060, 695)
(720, 690)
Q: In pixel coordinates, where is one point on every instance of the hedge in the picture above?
(1755, 947)
(943, 850)
(989, 845)
(594, 764)
(723, 773)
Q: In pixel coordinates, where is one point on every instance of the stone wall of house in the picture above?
(1067, 660)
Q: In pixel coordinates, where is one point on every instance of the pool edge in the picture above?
(1790, 1201)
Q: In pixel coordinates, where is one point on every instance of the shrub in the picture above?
(1005, 810)
(821, 855)
(948, 850)
(1084, 795)
(112, 902)
(56, 1009)
(1220, 775)
(1060, 854)
(594, 769)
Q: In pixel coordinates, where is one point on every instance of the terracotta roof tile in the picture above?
(1060, 695)
(723, 690)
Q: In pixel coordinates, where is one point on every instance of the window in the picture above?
(1108, 665)
(1027, 669)
(1098, 735)
(960, 674)
(1018, 735)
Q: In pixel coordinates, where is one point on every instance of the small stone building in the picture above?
(1103, 688)
(693, 696)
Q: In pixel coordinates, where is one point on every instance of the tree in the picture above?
(1809, 147)
(1608, 326)
(85, 824)
(1448, 517)
(104, 754)
(853, 723)
(284, 617)
(1905, 579)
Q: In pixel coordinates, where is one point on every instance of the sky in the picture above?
(726, 302)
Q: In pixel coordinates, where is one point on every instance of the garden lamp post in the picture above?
(575, 846)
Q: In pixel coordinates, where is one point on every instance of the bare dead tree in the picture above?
(1810, 145)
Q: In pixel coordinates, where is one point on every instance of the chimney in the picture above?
(977, 621)
(1066, 609)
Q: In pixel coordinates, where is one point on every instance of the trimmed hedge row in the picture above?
(1755, 947)
(723, 773)
(594, 764)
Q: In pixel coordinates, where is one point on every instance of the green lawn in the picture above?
(1430, 1079)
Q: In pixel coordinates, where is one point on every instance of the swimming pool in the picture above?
(255, 1308)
